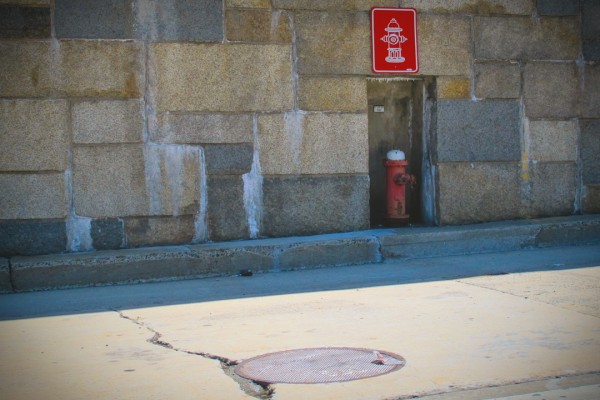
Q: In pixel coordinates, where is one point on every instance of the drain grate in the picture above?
(319, 365)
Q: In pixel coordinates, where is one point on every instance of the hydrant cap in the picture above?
(395, 155)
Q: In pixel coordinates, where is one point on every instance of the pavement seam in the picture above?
(259, 390)
(11, 276)
(524, 297)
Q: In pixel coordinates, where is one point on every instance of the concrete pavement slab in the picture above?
(483, 337)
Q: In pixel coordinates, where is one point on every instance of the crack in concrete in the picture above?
(259, 390)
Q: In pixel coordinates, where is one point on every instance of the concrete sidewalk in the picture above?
(531, 328)
(291, 253)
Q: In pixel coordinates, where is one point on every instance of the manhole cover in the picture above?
(319, 365)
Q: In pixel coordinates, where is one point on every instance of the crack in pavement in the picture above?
(259, 390)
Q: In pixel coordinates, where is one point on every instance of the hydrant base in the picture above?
(396, 221)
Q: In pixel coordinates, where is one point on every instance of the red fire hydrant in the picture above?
(397, 180)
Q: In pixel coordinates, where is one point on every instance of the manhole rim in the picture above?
(394, 367)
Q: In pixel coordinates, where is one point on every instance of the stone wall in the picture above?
(127, 123)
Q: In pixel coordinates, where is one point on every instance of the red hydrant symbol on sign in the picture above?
(394, 39)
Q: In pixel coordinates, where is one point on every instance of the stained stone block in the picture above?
(204, 77)
(27, 2)
(184, 20)
(453, 87)
(558, 7)
(591, 50)
(229, 159)
(307, 205)
(500, 81)
(478, 131)
(550, 90)
(590, 151)
(309, 143)
(24, 22)
(553, 189)
(71, 68)
(116, 121)
(553, 140)
(333, 5)
(257, 26)
(109, 181)
(441, 53)
(332, 94)
(522, 7)
(203, 128)
(34, 135)
(5, 281)
(590, 101)
(590, 15)
(248, 3)
(333, 42)
(525, 38)
(158, 231)
(28, 238)
(29, 196)
(173, 178)
(227, 218)
(93, 19)
(478, 192)
(108, 234)
(591, 199)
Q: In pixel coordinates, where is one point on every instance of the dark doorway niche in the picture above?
(400, 112)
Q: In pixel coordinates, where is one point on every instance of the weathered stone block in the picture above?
(28, 196)
(113, 121)
(227, 218)
(553, 140)
(333, 5)
(500, 81)
(449, 87)
(93, 19)
(478, 192)
(108, 234)
(248, 3)
(441, 53)
(257, 26)
(71, 68)
(315, 204)
(590, 15)
(159, 231)
(5, 284)
(173, 177)
(590, 101)
(187, 74)
(486, 130)
(550, 98)
(590, 151)
(558, 7)
(333, 42)
(34, 135)
(332, 94)
(553, 189)
(524, 7)
(198, 20)
(591, 50)
(109, 181)
(24, 22)
(591, 199)
(527, 38)
(27, 238)
(309, 143)
(26, 2)
(231, 159)
(203, 128)
(327, 253)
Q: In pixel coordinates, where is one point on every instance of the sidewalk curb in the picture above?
(282, 254)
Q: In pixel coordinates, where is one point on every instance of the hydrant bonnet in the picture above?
(395, 155)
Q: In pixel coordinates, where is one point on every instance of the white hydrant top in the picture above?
(395, 155)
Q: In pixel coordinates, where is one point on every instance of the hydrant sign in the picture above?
(394, 40)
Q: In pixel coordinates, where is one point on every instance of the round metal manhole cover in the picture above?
(319, 365)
